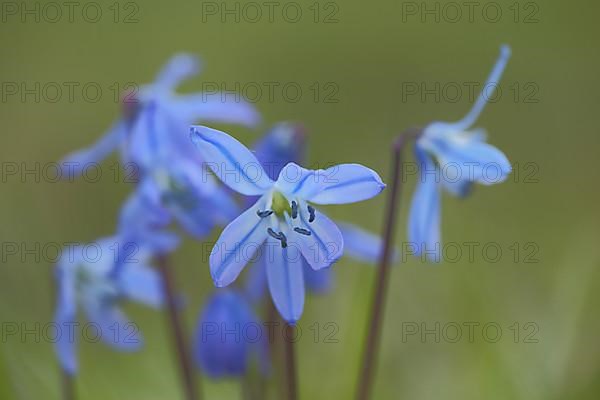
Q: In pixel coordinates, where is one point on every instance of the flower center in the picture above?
(280, 204)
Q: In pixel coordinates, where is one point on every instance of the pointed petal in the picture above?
(231, 161)
(256, 281)
(424, 215)
(75, 163)
(150, 139)
(143, 284)
(325, 244)
(237, 244)
(206, 108)
(65, 317)
(113, 326)
(286, 279)
(319, 281)
(487, 92)
(284, 143)
(362, 245)
(180, 67)
(341, 184)
(467, 158)
(204, 199)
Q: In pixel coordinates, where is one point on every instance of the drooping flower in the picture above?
(285, 142)
(182, 110)
(228, 336)
(283, 217)
(453, 156)
(97, 277)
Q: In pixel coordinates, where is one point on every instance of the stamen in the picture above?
(283, 240)
(302, 231)
(264, 214)
(279, 236)
(294, 210)
(272, 233)
(311, 212)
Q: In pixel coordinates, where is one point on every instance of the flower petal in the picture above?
(491, 83)
(218, 350)
(214, 108)
(231, 161)
(65, 318)
(113, 326)
(319, 281)
(143, 284)
(75, 164)
(256, 281)
(237, 244)
(466, 157)
(152, 136)
(286, 279)
(284, 143)
(362, 245)
(325, 244)
(180, 67)
(424, 215)
(341, 184)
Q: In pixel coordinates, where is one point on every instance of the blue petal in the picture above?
(465, 157)
(424, 215)
(361, 244)
(491, 83)
(286, 279)
(142, 283)
(319, 281)
(142, 220)
(231, 161)
(341, 184)
(114, 328)
(213, 108)
(225, 335)
(256, 281)
(198, 201)
(284, 143)
(236, 245)
(180, 67)
(297, 181)
(76, 163)
(325, 244)
(65, 318)
(152, 137)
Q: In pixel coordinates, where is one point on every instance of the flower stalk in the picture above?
(375, 323)
(181, 345)
(290, 363)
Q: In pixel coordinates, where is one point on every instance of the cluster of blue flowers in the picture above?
(274, 225)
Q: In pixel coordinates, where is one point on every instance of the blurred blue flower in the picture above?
(282, 218)
(174, 182)
(284, 143)
(176, 113)
(453, 157)
(97, 277)
(228, 336)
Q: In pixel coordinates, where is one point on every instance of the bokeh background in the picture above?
(545, 121)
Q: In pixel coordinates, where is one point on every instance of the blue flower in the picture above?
(452, 156)
(136, 142)
(175, 182)
(97, 277)
(284, 143)
(228, 336)
(283, 217)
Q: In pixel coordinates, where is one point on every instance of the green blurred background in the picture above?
(370, 54)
